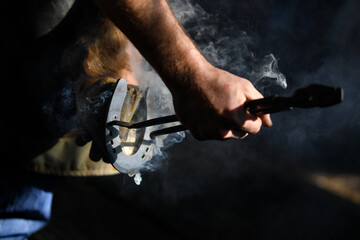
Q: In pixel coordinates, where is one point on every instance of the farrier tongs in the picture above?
(315, 95)
(153, 122)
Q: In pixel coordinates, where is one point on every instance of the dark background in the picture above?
(297, 180)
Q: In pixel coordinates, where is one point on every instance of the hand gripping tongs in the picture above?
(313, 96)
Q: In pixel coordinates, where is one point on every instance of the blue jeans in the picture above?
(25, 205)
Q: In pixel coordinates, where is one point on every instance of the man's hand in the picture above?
(212, 105)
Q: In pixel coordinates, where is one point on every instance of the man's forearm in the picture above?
(152, 28)
(207, 100)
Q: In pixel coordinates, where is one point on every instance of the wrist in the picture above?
(189, 70)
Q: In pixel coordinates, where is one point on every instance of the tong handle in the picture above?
(152, 122)
(178, 128)
(255, 107)
(147, 123)
(267, 105)
(314, 95)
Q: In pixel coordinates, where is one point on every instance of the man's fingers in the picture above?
(252, 126)
(266, 120)
(253, 95)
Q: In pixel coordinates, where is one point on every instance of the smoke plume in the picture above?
(226, 48)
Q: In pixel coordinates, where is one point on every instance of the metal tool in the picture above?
(315, 95)
(153, 122)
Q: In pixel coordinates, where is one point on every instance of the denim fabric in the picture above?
(25, 206)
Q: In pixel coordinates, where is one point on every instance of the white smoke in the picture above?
(93, 104)
(269, 70)
(227, 46)
(159, 104)
(227, 51)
